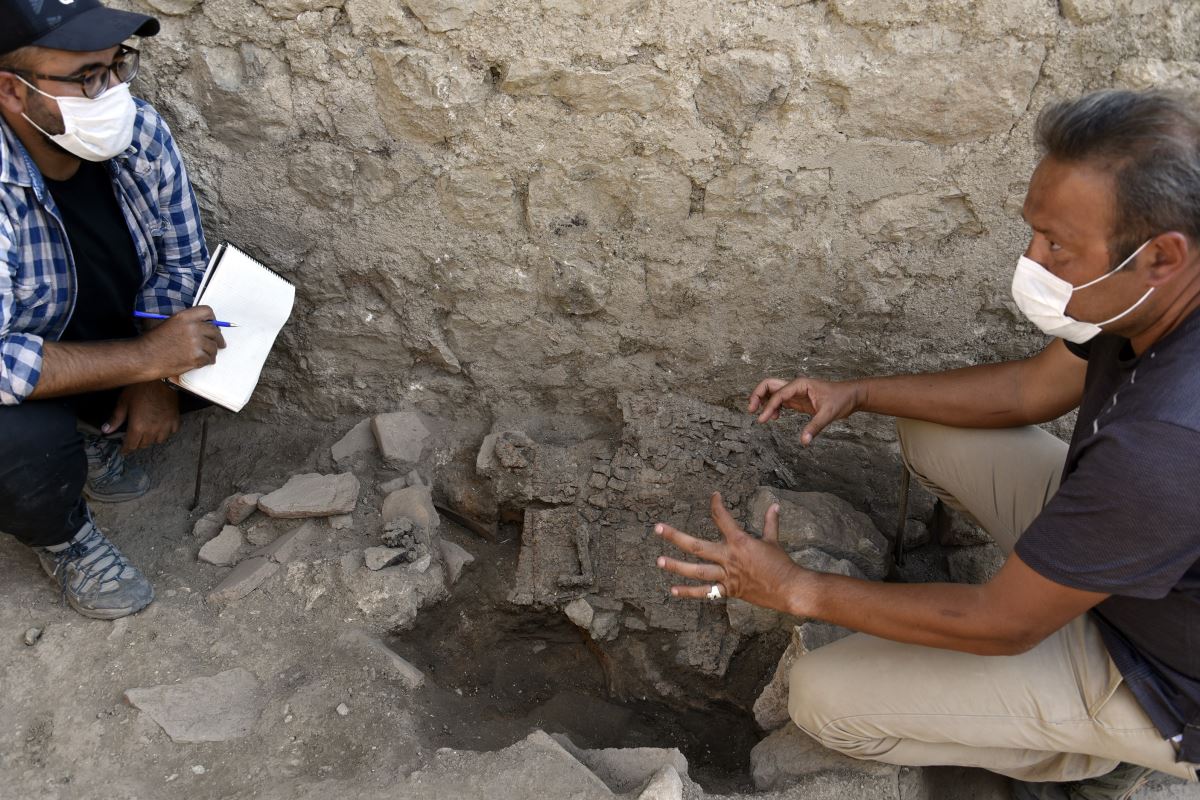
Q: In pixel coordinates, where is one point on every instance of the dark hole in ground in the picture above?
(496, 672)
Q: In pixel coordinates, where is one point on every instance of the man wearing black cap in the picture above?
(97, 221)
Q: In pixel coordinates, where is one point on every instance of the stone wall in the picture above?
(537, 204)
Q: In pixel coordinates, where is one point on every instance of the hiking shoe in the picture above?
(95, 577)
(110, 478)
(1120, 784)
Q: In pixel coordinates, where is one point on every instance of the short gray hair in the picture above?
(21, 58)
(1149, 141)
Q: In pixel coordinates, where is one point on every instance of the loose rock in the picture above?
(455, 559)
(209, 525)
(241, 507)
(32, 635)
(312, 495)
(414, 503)
(402, 437)
(343, 710)
(358, 440)
(222, 550)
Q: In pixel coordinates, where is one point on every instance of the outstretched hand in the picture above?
(825, 401)
(741, 565)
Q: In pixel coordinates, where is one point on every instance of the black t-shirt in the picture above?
(1126, 519)
(108, 274)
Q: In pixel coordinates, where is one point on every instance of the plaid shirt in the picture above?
(37, 278)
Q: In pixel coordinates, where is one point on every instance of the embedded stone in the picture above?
(824, 522)
(284, 548)
(738, 86)
(312, 495)
(919, 218)
(440, 16)
(243, 579)
(205, 709)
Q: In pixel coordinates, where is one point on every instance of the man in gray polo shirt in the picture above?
(1076, 670)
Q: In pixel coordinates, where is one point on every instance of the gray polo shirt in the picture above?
(1126, 519)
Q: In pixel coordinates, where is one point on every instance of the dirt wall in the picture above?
(538, 204)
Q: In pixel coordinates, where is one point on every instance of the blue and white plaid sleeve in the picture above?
(182, 254)
(20, 353)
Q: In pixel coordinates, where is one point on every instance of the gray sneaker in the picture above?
(110, 478)
(1120, 784)
(95, 577)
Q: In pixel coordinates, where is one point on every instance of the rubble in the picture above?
(312, 495)
(376, 558)
(209, 525)
(204, 709)
(32, 635)
(977, 564)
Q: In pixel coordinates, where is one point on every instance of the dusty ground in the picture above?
(494, 673)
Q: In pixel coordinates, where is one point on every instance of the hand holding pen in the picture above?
(148, 315)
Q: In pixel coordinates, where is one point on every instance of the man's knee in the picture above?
(825, 697)
(42, 469)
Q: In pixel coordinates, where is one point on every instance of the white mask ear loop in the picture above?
(1117, 268)
(1126, 311)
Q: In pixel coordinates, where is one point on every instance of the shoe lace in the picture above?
(92, 558)
(105, 454)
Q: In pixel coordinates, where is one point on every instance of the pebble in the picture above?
(198, 769)
(343, 709)
(32, 635)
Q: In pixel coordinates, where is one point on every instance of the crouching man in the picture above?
(97, 221)
(1076, 670)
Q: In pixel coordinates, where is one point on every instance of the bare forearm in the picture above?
(945, 615)
(76, 367)
(986, 396)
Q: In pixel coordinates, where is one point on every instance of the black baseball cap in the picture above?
(76, 25)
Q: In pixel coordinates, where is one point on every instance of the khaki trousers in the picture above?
(1059, 712)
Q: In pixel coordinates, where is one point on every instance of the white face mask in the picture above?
(94, 130)
(1042, 296)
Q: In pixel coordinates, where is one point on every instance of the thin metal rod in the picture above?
(200, 462)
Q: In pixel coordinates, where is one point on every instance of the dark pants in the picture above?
(43, 468)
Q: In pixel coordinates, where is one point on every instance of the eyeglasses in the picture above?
(96, 79)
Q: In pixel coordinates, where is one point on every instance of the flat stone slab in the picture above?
(284, 549)
(205, 709)
(243, 579)
(312, 495)
(383, 658)
(402, 436)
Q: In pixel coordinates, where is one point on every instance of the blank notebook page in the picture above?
(242, 291)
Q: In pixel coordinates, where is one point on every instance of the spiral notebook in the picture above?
(242, 291)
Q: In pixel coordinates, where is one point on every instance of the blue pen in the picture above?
(147, 315)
